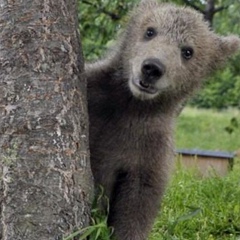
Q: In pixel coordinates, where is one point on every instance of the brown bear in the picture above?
(134, 94)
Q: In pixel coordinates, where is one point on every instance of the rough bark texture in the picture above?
(45, 177)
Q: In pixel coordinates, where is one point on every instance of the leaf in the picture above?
(193, 213)
(234, 122)
(229, 129)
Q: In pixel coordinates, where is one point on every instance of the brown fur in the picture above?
(130, 130)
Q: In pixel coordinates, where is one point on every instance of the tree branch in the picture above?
(112, 15)
(219, 9)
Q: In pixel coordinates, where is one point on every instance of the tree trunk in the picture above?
(45, 177)
(209, 11)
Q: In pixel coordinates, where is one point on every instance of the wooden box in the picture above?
(206, 162)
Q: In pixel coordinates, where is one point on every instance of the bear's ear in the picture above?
(229, 45)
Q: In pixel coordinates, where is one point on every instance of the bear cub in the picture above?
(134, 95)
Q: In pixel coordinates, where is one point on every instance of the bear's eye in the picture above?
(150, 33)
(187, 52)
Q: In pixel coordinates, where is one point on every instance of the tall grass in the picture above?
(197, 208)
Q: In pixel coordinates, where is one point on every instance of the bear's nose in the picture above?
(152, 70)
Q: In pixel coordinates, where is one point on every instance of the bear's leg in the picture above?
(134, 204)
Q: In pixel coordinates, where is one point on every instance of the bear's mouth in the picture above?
(144, 86)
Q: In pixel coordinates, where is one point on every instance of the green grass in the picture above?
(98, 229)
(205, 129)
(197, 208)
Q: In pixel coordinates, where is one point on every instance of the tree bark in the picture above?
(209, 11)
(45, 177)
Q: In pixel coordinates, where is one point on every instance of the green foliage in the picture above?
(222, 90)
(233, 126)
(100, 21)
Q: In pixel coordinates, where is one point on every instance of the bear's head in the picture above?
(171, 49)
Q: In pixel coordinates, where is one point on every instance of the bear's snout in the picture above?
(152, 70)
